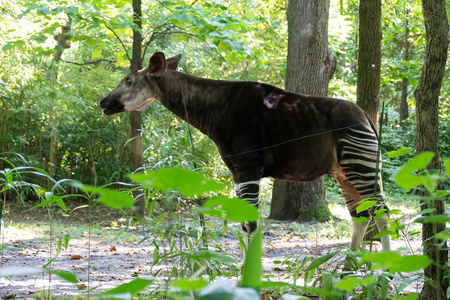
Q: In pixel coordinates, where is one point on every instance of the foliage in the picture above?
(49, 117)
(194, 266)
(226, 40)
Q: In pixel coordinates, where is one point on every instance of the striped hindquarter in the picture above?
(357, 157)
(357, 150)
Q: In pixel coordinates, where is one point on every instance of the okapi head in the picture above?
(138, 89)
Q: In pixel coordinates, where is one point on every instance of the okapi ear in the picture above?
(157, 66)
(172, 63)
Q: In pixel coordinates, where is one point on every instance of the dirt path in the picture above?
(26, 250)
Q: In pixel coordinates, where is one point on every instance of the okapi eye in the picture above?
(128, 83)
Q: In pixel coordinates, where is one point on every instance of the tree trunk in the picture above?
(369, 58)
(137, 156)
(310, 66)
(427, 139)
(404, 113)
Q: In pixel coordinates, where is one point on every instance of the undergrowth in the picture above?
(196, 265)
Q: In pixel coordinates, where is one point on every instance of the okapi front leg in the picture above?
(249, 191)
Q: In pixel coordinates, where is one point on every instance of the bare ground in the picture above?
(26, 249)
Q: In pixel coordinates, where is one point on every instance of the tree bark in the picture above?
(369, 58)
(137, 156)
(404, 113)
(427, 139)
(310, 66)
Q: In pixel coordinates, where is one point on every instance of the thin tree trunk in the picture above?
(63, 40)
(369, 58)
(137, 155)
(310, 66)
(404, 112)
(427, 138)
(53, 148)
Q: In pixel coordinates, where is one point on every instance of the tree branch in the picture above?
(121, 42)
(87, 62)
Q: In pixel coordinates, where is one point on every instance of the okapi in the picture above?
(261, 130)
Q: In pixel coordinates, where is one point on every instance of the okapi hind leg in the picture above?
(352, 199)
(249, 191)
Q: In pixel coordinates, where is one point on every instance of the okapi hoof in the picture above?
(249, 227)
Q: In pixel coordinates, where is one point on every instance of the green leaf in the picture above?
(8, 46)
(365, 205)
(379, 213)
(188, 183)
(397, 153)
(395, 262)
(180, 17)
(426, 211)
(112, 198)
(98, 51)
(272, 284)
(66, 275)
(66, 240)
(252, 268)
(404, 177)
(236, 209)
(187, 285)
(321, 260)
(440, 194)
(444, 234)
(249, 15)
(440, 219)
(209, 255)
(52, 199)
(360, 220)
(222, 46)
(128, 290)
(430, 179)
(39, 39)
(383, 233)
(349, 283)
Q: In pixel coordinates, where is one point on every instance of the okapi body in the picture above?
(261, 130)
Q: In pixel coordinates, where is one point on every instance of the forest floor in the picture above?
(113, 261)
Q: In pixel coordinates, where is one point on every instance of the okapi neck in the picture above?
(199, 101)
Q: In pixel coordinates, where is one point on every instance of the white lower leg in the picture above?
(358, 234)
(385, 240)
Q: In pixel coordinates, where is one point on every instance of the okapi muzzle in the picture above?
(261, 130)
